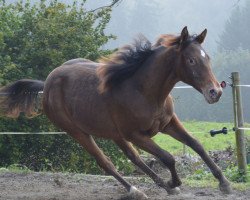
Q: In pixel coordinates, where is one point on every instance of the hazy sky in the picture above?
(170, 16)
(154, 17)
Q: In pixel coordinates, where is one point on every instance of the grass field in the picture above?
(200, 130)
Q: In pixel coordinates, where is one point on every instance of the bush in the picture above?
(34, 39)
(56, 153)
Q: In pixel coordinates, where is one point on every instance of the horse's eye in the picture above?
(191, 61)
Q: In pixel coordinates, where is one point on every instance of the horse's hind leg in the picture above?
(177, 131)
(148, 145)
(104, 162)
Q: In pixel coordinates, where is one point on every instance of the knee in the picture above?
(217, 173)
(196, 145)
(168, 160)
(134, 157)
(106, 164)
(199, 147)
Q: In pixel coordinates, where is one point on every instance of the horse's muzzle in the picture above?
(212, 95)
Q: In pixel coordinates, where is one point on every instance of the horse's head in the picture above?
(194, 66)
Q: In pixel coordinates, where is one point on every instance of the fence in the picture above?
(238, 122)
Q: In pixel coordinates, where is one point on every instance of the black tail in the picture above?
(21, 96)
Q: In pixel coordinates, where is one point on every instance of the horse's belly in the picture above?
(71, 101)
(92, 116)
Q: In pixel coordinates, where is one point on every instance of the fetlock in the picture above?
(173, 184)
(159, 182)
(225, 187)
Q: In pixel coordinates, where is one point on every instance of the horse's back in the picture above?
(78, 60)
(71, 96)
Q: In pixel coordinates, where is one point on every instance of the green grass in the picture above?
(15, 168)
(213, 183)
(200, 130)
(206, 179)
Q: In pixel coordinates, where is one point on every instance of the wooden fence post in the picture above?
(239, 122)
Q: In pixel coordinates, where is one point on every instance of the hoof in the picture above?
(135, 194)
(174, 191)
(225, 188)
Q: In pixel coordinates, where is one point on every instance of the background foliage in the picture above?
(34, 39)
(236, 31)
(37, 37)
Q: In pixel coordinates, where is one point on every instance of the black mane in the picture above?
(123, 63)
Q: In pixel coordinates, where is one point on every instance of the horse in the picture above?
(125, 98)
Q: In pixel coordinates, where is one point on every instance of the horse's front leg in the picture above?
(177, 131)
(148, 145)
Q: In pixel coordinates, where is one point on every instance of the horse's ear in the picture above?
(184, 35)
(200, 38)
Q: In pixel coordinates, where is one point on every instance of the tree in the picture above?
(236, 31)
(35, 39)
(234, 55)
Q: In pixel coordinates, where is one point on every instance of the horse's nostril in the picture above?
(213, 92)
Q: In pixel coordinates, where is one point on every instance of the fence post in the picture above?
(239, 122)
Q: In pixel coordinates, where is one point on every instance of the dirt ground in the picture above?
(59, 186)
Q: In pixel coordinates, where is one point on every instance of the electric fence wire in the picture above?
(53, 133)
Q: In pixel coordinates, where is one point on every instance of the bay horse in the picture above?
(125, 98)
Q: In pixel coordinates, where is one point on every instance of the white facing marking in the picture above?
(137, 194)
(133, 189)
(203, 54)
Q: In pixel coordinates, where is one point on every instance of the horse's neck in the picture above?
(157, 78)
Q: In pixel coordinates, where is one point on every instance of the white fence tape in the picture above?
(183, 87)
(243, 128)
(176, 87)
(242, 85)
(54, 133)
(30, 133)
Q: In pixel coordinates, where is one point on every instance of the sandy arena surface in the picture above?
(59, 186)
